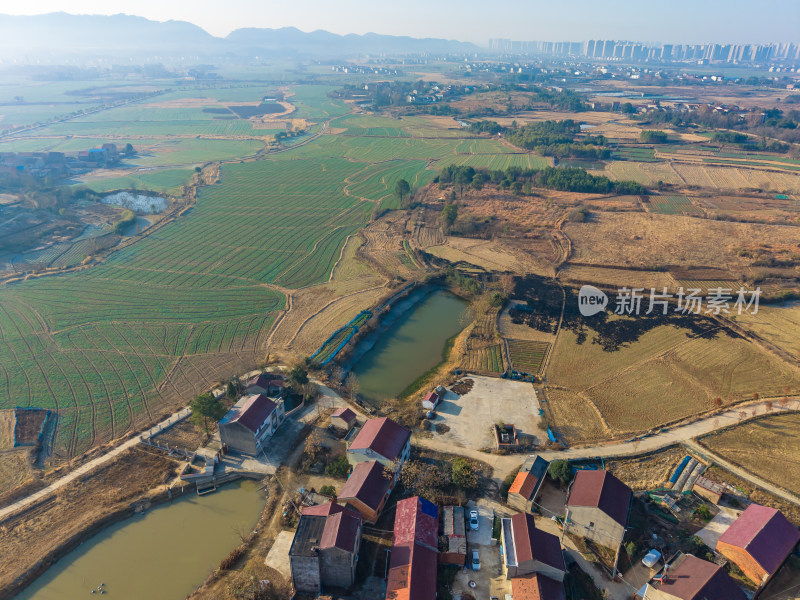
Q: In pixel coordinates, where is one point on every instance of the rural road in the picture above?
(90, 465)
(685, 434)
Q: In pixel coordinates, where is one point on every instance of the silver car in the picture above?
(476, 561)
(473, 520)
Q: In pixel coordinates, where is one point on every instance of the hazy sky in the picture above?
(678, 21)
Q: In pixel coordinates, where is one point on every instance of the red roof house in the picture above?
(691, 578)
(343, 418)
(536, 587)
(247, 425)
(412, 569)
(380, 439)
(367, 489)
(527, 483)
(759, 542)
(598, 506)
(527, 549)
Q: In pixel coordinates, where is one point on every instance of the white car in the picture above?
(651, 558)
(476, 561)
(473, 520)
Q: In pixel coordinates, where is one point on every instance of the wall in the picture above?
(338, 567)
(606, 531)
(744, 561)
(369, 515)
(305, 573)
(238, 438)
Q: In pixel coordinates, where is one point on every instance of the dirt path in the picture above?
(89, 466)
(742, 473)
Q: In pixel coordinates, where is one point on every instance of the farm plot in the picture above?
(488, 359)
(376, 182)
(168, 181)
(673, 205)
(768, 447)
(115, 346)
(527, 356)
(778, 323)
(627, 384)
(340, 337)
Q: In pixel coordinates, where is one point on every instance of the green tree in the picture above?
(338, 467)
(402, 189)
(206, 408)
(630, 549)
(560, 471)
(129, 150)
(449, 215)
(464, 475)
(298, 376)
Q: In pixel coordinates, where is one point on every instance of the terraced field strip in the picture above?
(707, 284)
(673, 205)
(488, 359)
(339, 339)
(527, 356)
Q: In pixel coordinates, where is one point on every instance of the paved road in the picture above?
(503, 465)
(91, 465)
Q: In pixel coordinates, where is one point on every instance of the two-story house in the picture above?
(248, 425)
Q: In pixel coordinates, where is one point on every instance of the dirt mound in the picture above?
(462, 387)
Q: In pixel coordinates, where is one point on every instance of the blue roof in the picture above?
(429, 508)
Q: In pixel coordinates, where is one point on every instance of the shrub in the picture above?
(560, 471)
(328, 490)
(703, 512)
(339, 467)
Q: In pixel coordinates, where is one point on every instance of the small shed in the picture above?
(343, 419)
(505, 435)
(430, 401)
(708, 489)
(453, 542)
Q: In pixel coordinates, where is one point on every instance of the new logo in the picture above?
(591, 300)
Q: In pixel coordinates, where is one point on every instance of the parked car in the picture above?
(651, 558)
(476, 561)
(473, 520)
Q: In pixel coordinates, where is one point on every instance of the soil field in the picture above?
(649, 472)
(651, 239)
(28, 425)
(768, 447)
(777, 323)
(7, 420)
(627, 385)
(526, 356)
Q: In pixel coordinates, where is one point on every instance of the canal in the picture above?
(412, 345)
(163, 554)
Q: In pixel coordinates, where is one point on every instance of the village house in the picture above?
(382, 440)
(708, 489)
(412, 568)
(325, 548)
(691, 578)
(343, 419)
(597, 507)
(453, 543)
(367, 490)
(528, 550)
(759, 542)
(527, 483)
(250, 422)
(265, 383)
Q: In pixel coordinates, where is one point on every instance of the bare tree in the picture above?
(352, 385)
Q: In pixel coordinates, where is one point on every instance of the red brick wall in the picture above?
(743, 560)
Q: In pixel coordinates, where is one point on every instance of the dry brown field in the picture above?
(649, 472)
(645, 240)
(776, 323)
(768, 447)
(665, 376)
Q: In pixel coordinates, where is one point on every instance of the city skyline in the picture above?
(682, 22)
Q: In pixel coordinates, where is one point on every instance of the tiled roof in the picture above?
(412, 571)
(341, 531)
(383, 436)
(602, 490)
(524, 484)
(536, 587)
(765, 534)
(329, 508)
(344, 413)
(368, 483)
(534, 544)
(697, 579)
(251, 411)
